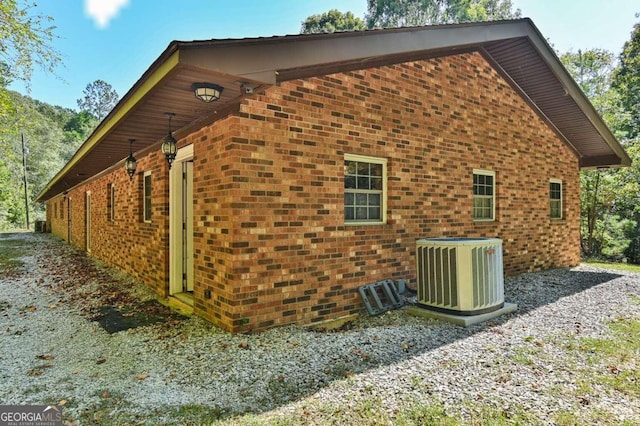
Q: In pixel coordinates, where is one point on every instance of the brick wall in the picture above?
(127, 243)
(270, 242)
(272, 235)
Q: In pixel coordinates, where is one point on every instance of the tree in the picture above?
(332, 21)
(627, 80)
(52, 134)
(99, 99)
(25, 43)
(76, 130)
(403, 13)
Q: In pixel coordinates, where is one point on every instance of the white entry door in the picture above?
(181, 222)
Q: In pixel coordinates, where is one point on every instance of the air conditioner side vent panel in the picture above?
(462, 275)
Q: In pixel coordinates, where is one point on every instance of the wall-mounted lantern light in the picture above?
(207, 92)
(169, 143)
(130, 164)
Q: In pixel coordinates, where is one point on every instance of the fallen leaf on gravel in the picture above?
(53, 306)
(141, 376)
(75, 371)
(47, 357)
(35, 373)
(31, 308)
(243, 345)
(101, 361)
(62, 402)
(106, 395)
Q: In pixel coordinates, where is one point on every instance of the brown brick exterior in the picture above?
(269, 234)
(138, 248)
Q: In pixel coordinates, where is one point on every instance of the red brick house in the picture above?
(323, 161)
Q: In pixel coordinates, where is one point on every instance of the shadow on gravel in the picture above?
(114, 319)
(557, 284)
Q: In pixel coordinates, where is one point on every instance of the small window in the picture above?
(55, 210)
(555, 198)
(364, 189)
(147, 197)
(111, 202)
(484, 195)
(61, 209)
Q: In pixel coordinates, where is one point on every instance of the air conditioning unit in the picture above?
(461, 276)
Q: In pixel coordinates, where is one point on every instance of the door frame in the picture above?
(184, 154)
(87, 220)
(69, 223)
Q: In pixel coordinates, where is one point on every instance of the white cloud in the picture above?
(102, 11)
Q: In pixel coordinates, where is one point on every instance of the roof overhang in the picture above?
(515, 48)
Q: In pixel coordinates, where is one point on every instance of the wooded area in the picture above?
(610, 211)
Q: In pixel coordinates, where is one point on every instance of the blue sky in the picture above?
(117, 40)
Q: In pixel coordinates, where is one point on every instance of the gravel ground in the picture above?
(52, 352)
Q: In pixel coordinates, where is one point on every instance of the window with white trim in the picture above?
(146, 186)
(484, 195)
(365, 181)
(555, 198)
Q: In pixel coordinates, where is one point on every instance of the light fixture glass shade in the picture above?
(207, 92)
(169, 143)
(169, 148)
(130, 163)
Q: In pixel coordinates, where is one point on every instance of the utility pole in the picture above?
(24, 166)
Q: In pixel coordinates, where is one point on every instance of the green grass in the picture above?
(617, 357)
(629, 267)
(10, 253)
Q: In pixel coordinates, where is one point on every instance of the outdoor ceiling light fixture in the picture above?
(169, 143)
(207, 92)
(130, 164)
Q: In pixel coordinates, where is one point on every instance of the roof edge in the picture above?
(158, 70)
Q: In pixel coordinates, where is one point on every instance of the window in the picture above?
(147, 197)
(364, 189)
(484, 195)
(111, 202)
(62, 209)
(555, 198)
(55, 210)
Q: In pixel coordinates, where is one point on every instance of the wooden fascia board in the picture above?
(116, 117)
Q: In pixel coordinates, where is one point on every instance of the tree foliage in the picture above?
(403, 13)
(99, 98)
(25, 41)
(332, 21)
(610, 214)
(52, 134)
(627, 80)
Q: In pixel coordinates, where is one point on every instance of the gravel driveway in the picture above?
(182, 370)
